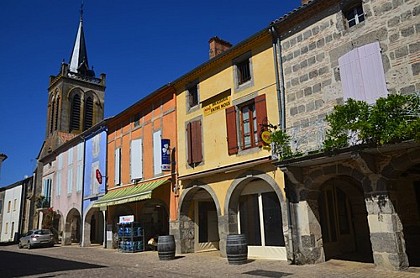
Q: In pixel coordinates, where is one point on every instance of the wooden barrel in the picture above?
(166, 247)
(237, 249)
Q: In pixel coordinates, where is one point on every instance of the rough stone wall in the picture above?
(310, 61)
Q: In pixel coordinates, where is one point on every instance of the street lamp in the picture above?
(3, 157)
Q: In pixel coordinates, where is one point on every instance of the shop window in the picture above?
(260, 214)
(194, 143)
(362, 73)
(244, 124)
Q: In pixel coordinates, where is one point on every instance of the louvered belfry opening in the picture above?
(88, 120)
(75, 113)
(57, 107)
(52, 115)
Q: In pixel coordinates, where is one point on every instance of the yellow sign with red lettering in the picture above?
(266, 137)
(217, 105)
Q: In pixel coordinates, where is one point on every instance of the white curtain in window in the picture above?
(362, 73)
(117, 175)
(157, 152)
(136, 156)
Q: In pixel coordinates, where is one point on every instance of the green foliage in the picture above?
(393, 119)
(281, 144)
(345, 123)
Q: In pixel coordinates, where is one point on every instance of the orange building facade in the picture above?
(140, 180)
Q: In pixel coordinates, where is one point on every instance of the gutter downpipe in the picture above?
(278, 68)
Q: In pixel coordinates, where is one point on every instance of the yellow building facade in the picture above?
(227, 183)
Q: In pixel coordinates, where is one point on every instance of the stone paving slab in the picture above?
(111, 263)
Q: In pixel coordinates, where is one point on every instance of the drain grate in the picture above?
(267, 273)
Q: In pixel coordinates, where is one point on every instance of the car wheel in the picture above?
(20, 245)
(29, 245)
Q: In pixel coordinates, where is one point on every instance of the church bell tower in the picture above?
(75, 96)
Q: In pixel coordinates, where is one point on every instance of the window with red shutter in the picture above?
(249, 124)
(194, 142)
(231, 130)
(261, 108)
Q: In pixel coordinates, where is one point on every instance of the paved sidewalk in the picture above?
(98, 262)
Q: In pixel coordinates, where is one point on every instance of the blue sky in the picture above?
(140, 45)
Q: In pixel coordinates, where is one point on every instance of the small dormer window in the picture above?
(354, 14)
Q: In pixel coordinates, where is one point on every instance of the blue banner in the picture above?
(166, 155)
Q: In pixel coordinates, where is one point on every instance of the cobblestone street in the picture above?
(73, 261)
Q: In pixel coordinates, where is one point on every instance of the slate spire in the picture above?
(78, 59)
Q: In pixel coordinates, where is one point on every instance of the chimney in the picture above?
(218, 46)
(305, 2)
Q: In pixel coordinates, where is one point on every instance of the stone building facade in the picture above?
(359, 204)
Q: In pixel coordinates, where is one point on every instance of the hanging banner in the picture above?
(166, 155)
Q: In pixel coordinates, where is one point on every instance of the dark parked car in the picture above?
(41, 237)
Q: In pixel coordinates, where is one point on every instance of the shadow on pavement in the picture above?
(267, 273)
(17, 264)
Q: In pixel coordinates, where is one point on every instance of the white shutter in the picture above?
(70, 156)
(117, 176)
(157, 157)
(372, 71)
(58, 183)
(362, 73)
(351, 76)
(136, 156)
(69, 180)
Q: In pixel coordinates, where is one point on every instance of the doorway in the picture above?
(344, 225)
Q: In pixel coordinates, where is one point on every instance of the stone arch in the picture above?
(154, 217)
(93, 226)
(232, 204)
(72, 227)
(186, 242)
(343, 218)
(239, 183)
(399, 164)
(317, 177)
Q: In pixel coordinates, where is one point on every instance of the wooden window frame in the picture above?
(253, 125)
(193, 96)
(235, 124)
(354, 13)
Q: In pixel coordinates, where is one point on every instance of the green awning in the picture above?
(129, 194)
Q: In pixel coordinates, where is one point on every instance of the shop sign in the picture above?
(166, 154)
(99, 176)
(126, 219)
(266, 137)
(217, 105)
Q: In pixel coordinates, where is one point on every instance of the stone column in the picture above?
(174, 230)
(308, 235)
(223, 224)
(66, 235)
(386, 232)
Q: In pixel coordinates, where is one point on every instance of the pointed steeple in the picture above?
(78, 59)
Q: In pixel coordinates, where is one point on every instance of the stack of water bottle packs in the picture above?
(130, 237)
